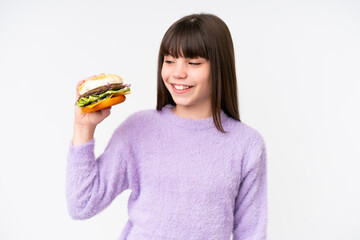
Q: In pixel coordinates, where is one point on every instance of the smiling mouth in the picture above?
(181, 87)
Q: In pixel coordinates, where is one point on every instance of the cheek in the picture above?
(204, 78)
(164, 73)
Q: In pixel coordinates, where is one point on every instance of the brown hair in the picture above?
(206, 36)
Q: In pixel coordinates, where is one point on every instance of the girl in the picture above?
(194, 169)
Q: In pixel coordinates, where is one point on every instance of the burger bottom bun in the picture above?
(104, 104)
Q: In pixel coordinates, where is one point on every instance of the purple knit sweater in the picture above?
(188, 180)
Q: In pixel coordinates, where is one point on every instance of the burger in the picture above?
(101, 92)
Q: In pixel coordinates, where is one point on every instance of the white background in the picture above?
(298, 72)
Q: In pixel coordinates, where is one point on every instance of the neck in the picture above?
(193, 112)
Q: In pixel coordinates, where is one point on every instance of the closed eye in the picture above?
(194, 63)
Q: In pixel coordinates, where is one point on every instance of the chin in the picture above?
(182, 102)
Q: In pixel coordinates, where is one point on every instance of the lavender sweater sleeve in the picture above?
(91, 184)
(250, 219)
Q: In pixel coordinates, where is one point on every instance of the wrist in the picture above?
(84, 127)
(83, 133)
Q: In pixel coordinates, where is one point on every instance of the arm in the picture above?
(250, 220)
(92, 184)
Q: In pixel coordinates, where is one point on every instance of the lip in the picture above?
(180, 91)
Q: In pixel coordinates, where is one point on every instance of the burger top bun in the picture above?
(99, 81)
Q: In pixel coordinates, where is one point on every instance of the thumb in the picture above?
(77, 94)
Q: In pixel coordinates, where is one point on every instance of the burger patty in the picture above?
(98, 90)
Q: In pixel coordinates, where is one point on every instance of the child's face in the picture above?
(188, 81)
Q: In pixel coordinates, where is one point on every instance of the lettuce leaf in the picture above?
(84, 101)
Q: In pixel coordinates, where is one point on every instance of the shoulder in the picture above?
(252, 144)
(248, 134)
(138, 121)
(142, 117)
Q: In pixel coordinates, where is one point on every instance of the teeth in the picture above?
(181, 87)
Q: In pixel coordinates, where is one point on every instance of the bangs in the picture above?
(184, 40)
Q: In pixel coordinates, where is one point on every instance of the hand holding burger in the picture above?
(101, 92)
(94, 98)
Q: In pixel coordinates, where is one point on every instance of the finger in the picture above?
(105, 112)
(79, 83)
(77, 88)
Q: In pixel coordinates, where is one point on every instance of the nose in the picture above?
(180, 71)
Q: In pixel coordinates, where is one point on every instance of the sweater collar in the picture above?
(193, 124)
